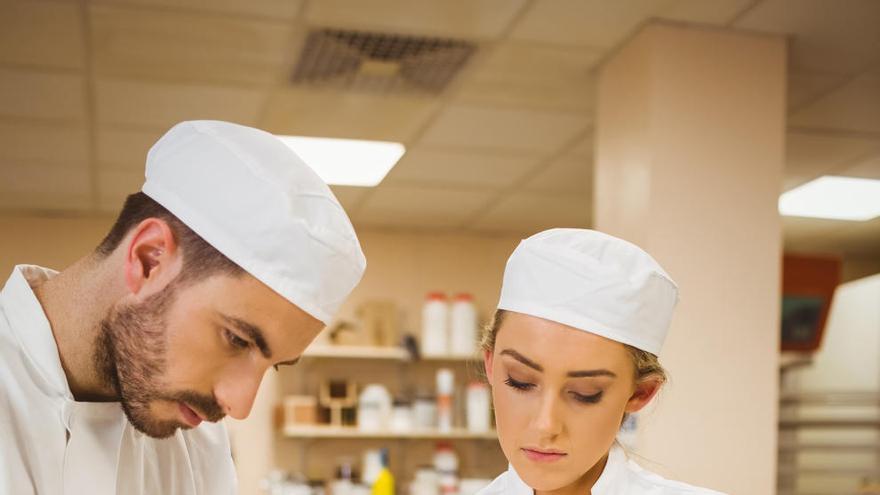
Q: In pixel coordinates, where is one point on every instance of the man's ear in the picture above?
(152, 259)
(645, 390)
(488, 358)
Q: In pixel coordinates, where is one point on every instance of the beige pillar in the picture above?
(689, 157)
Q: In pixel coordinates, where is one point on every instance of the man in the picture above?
(228, 263)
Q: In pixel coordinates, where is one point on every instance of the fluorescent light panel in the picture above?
(347, 162)
(833, 197)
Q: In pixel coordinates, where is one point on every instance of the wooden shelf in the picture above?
(354, 433)
(374, 353)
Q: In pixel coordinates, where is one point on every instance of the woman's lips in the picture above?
(543, 455)
(190, 417)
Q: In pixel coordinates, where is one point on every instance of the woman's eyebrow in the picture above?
(572, 374)
(524, 360)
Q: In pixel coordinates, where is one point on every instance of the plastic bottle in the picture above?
(478, 408)
(446, 465)
(463, 326)
(435, 333)
(384, 484)
(374, 408)
(445, 391)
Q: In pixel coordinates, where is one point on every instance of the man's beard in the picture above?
(131, 358)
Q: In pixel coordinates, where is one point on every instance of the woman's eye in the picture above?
(518, 385)
(587, 399)
(235, 340)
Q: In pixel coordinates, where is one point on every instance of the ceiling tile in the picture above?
(583, 148)
(568, 174)
(429, 166)
(419, 207)
(115, 185)
(134, 42)
(533, 76)
(480, 19)
(855, 106)
(41, 33)
(45, 187)
(47, 144)
(719, 12)
(868, 168)
(273, 9)
(804, 88)
(530, 213)
(594, 23)
(504, 129)
(811, 155)
(826, 36)
(350, 196)
(347, 115)
(125, 149)
(161, 105)
(42, 95)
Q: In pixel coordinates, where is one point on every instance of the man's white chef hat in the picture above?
(249, 196)
(593, 282)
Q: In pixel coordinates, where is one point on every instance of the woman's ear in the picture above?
(488, 357)
(645, 390)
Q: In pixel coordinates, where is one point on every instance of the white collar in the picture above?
(607, 484)
(30, 327)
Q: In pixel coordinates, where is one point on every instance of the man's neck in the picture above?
(75, 301)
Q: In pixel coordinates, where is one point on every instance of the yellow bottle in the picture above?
(384, 484)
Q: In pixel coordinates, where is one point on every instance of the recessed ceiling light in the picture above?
(833, 197)
(347, 162)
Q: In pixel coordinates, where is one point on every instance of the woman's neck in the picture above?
(584, 484)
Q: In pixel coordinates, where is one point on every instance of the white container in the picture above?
(435, 325)
(372, 466)
(478, 408)
(446, 465)
(445, 391)
(463, 326)
(425, 482)
(425, 413)
(374, 408)
(401, 418)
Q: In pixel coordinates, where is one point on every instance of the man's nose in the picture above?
(237, 391)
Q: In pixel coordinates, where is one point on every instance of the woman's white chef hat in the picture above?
(249, 196)
(593, 282)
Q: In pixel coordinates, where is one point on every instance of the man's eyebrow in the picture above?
(572, 374)
(253, 332)
(524, 360)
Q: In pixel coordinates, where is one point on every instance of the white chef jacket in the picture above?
(621, 476)
(50, 444)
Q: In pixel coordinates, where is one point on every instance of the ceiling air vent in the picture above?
(378, 62)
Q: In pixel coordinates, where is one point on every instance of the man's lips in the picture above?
(190, 416)
(543, 455)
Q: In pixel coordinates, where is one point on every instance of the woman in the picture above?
(571, 351)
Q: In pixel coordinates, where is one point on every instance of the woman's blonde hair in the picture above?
(647, 366)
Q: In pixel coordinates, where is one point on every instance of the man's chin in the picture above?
(141, 421)
(158, 430)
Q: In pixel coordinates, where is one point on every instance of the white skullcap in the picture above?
(593, 282)
(249, 196)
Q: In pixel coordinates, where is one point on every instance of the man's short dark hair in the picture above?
(200, 259)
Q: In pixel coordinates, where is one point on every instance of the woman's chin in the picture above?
(544, 478)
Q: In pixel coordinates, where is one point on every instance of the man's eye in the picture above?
(235, 340)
